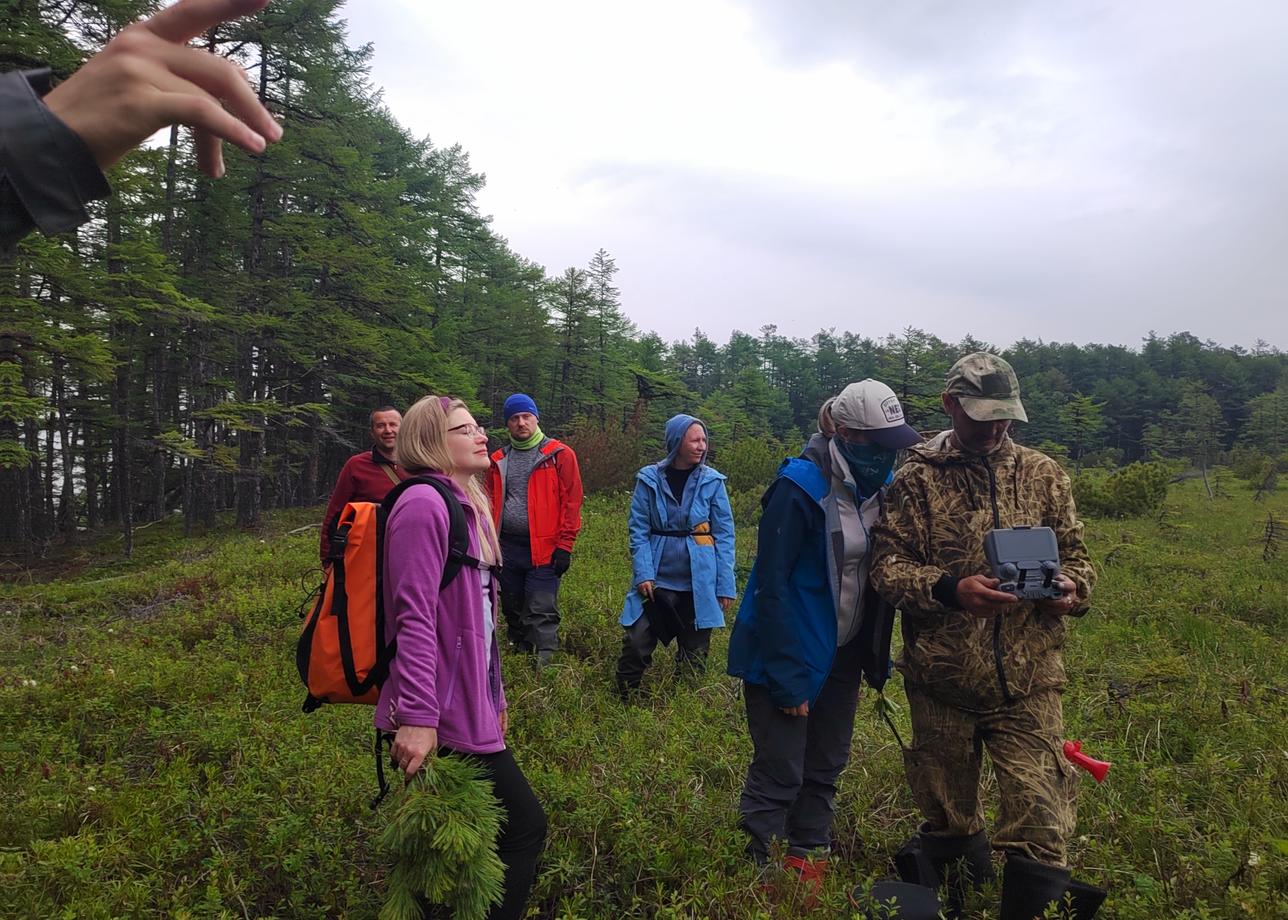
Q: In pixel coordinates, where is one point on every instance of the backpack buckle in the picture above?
(338, 540)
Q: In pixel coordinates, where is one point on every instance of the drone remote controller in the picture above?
(1025, 560)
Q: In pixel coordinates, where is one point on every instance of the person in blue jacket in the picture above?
(807, 619)
(682, 545)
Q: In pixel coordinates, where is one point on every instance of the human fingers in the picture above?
(194, 107)
(985, 589)
(398, 753)
(187, 19)
(210, 152)
(414, 763)
(223, 80)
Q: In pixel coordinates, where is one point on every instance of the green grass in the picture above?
(162, 767)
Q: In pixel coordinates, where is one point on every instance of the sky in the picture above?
(1056, 170)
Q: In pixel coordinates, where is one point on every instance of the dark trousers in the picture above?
(523, 830)
(640, 639)
(791, 782)
(529, 597)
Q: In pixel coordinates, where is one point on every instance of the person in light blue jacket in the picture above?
(682, 547)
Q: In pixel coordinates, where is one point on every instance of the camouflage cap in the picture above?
(987, 388)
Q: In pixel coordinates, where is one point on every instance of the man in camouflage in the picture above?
(981, 669)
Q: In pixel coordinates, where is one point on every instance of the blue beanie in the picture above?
(519, 402)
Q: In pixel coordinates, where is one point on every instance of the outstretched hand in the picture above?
(147, 78)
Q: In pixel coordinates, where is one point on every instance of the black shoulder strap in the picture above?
(458, 534)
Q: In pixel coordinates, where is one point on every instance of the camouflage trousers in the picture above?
(1037, 786)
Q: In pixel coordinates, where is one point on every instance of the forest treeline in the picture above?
(202, 346)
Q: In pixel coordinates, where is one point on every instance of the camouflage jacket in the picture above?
(938, 510)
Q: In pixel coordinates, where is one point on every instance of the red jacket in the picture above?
(554, 498)
(363, 478)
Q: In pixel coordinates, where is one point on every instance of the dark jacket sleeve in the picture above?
(787, 522)
(47, 174)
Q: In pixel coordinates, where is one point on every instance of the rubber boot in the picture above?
(1085, 899)
(890, 900)
(968, 857)
(959, 863)
(915, 866)
(1029, 887)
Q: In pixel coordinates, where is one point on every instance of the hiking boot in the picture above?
(544, 657)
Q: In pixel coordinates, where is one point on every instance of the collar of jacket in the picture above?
(378, 457)
(654, 472)
(546, 446)
(939, 451)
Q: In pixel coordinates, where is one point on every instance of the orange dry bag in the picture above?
(343, 653)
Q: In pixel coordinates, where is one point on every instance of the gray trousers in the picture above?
(529, 597)
(791, 782)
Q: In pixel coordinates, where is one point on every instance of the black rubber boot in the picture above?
(1086, 899)
(964, 864)
(914, 865)
(1029, 886)
(969, 858)
(897, 901)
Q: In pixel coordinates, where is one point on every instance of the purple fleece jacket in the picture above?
(439, 677)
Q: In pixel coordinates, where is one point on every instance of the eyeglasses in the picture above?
(469, 429)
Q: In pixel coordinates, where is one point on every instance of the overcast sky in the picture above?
(1070, 171)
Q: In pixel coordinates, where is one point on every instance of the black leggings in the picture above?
(523, 829)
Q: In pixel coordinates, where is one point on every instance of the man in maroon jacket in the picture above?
(368, 476)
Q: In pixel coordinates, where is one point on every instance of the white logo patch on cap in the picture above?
(893, 411)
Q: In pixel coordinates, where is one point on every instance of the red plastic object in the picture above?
(1097, 768)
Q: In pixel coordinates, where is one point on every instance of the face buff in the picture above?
(870, 464)
(530, 443)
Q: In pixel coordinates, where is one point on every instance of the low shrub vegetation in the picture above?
(162, 766)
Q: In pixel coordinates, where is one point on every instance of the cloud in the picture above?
(1060, 170)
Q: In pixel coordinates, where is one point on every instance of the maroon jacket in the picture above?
(362, 479)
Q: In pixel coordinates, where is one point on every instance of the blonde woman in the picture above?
(443, 693)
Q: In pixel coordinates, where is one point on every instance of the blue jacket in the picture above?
(710, 558)
(784, 637)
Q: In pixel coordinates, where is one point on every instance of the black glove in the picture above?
(560, 561)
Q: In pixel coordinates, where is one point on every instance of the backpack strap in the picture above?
(389, 471)
(805, 474)
(458, 533)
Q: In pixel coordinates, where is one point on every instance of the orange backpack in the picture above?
(343, 654)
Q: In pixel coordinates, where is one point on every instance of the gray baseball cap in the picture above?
(987, 388)
(872, 407)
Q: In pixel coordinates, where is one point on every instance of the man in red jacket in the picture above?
(535, 487)
(368, 476)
